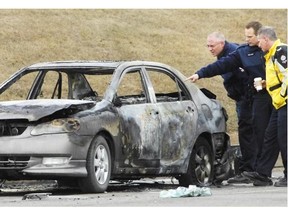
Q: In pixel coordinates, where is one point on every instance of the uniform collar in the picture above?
(224, 51)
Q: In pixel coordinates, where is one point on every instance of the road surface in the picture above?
(144, 193)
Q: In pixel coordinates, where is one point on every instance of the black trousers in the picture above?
(262, 109)
(275, 140)
(245, 135)
(252, 123)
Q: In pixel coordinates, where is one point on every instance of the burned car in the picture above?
(91, 122)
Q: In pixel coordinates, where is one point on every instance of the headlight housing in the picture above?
(65, 125)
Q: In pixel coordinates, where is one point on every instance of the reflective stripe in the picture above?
(272, 88)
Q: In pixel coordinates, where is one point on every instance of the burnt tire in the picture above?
(98, 166)
(200, 169)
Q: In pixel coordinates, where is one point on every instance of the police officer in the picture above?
(235, 83)
(249, 57)
(276, 132)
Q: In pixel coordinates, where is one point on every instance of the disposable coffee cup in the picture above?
(258, 83)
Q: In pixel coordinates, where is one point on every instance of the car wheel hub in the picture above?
(101, 164)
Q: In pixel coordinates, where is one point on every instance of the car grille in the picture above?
(14, 162)
(12, 128)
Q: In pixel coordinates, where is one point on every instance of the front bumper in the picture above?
(34, 166)
(71, 169)
(26, 155)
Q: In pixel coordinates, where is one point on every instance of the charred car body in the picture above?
(94, 121)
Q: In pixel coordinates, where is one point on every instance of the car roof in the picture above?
(89, 64)
(76, 63)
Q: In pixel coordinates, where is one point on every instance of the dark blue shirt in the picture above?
(235, 82)
(250, 58)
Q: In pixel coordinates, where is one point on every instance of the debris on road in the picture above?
(36, 196)
(191, 191)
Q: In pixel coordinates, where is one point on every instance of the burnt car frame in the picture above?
(90, 122)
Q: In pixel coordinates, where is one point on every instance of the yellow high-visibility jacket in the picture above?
(277, 73)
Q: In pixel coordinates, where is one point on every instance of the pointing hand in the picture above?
(193, 78)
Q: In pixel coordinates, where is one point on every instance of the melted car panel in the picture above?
(115, 120)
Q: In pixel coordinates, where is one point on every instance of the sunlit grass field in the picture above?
(176, 37)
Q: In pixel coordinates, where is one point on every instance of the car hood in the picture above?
(33, 110)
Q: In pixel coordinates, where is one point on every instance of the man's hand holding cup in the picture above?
(259, 84)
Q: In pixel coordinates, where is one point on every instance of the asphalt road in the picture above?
(144, 193)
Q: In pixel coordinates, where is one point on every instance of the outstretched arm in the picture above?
(221, 66)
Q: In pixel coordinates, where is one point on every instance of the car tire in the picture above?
(98, 166)
(200, 169)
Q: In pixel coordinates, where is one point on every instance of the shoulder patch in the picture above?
(281, 54)
(283, 59)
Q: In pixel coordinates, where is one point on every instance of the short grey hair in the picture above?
(268, 32)
(218, 35)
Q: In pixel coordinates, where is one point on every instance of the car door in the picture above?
(139, 121)
(177, 114)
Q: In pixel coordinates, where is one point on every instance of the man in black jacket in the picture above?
(249, 57)
(235, 83)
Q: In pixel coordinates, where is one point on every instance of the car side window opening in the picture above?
(54, 86)
(166, 87)
(131, 89)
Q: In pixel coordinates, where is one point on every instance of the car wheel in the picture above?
(200, 169)
(98, 167)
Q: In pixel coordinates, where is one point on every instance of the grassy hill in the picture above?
(175, 37)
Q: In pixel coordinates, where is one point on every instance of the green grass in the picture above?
(173, 36)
